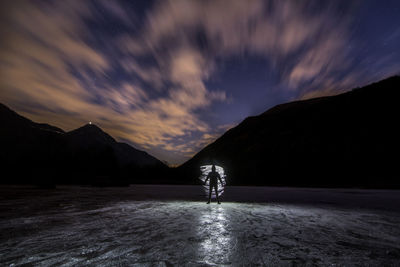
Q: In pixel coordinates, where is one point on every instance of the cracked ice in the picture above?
(107, 227)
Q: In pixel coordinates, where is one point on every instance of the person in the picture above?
(214, 177)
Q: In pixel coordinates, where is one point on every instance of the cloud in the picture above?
(36, 64)
(49, 71)
(150, 75)
(306, 41)
(147, 85)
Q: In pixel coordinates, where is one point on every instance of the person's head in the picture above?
(213, 168)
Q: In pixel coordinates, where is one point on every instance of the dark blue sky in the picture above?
(169, 77)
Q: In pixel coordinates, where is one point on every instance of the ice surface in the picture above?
(166, 225)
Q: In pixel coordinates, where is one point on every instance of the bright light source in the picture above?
(90, 122)
(205, 170)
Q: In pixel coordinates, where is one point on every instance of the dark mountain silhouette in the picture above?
(37, 153)
(90, 135)
(347, 140)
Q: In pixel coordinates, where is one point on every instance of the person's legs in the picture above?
(209, 194)
(216, 192)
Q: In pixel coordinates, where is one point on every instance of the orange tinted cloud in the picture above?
(42, 47)
(52, 69)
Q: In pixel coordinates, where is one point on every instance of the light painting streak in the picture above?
(205, 170)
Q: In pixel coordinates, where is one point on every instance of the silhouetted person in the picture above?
(214, 177)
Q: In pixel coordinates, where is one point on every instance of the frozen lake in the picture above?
(172, 225)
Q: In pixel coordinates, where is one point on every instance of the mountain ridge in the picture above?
(344, 140)
(85, 154)
(351, 129)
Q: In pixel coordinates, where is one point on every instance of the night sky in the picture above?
(170, 77)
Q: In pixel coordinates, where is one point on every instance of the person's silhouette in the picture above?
(214, 177)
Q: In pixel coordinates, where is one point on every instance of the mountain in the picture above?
(347, 140)
(11, 121)
(90, 135)
(94, 152)
(28, 149)
(37, 153)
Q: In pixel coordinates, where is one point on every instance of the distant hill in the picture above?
(38, 153)
(347, 140)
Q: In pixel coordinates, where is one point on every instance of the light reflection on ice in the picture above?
(99, 229)
(205, 170)
(216, 245)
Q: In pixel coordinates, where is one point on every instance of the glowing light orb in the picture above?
(205, 170)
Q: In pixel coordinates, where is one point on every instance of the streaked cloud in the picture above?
(145, 81)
